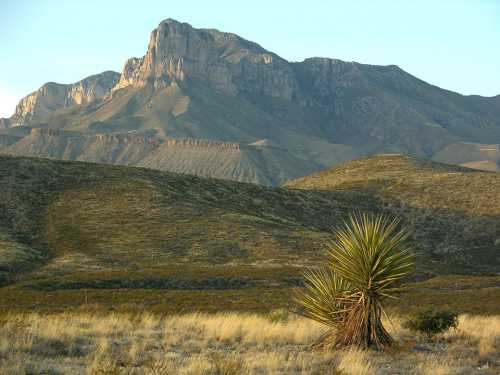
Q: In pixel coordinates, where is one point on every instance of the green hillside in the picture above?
(453, 211)
(73, 233)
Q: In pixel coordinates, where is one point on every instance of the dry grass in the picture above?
(355, 362)
(227, 344)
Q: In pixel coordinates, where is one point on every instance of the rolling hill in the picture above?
(122, 235)
(429, 197)
(216, 87)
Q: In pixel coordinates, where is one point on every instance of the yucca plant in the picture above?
(367, 257)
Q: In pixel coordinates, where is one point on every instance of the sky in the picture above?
(454, 44)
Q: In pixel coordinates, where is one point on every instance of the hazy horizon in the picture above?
(449, 44)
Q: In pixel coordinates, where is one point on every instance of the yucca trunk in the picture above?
(363, 326)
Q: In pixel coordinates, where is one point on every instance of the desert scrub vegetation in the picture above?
(368, 256)
(63, 219)
(432, 322)
(273, 289)
(231, 343)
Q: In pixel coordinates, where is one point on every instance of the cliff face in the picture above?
(53, 96)
(230, 64)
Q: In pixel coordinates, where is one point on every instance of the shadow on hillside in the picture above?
(449, 241)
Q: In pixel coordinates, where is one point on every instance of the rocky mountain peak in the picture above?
(53, 96)
(227, 62)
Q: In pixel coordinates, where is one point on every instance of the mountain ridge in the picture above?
(52, 96)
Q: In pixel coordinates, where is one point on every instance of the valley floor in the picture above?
(232, 343)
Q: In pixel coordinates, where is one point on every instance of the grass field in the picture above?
(229, 344)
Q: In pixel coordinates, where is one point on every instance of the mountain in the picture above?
(218, 88)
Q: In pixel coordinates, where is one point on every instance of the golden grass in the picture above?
(432, 364)
(231, 343)
(482, 331)
(355, 362)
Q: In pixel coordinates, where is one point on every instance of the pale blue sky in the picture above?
(454, 44)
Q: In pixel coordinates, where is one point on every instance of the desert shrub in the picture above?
(50, 347)
(279, 316)
(432, 322)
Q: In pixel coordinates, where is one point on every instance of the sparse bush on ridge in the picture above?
(367, 257)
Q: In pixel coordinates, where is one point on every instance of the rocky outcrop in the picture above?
(53, 96)
(203, 143)
(230, 64)
(37, 132)
(131, 138)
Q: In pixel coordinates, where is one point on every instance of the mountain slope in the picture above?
(125, 236)
(210, 85)
(257, 163)
(457, 205)
(81, 216)
(473, 155)
(70, 215)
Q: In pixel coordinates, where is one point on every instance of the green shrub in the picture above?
(432, 322)
(279, 316)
